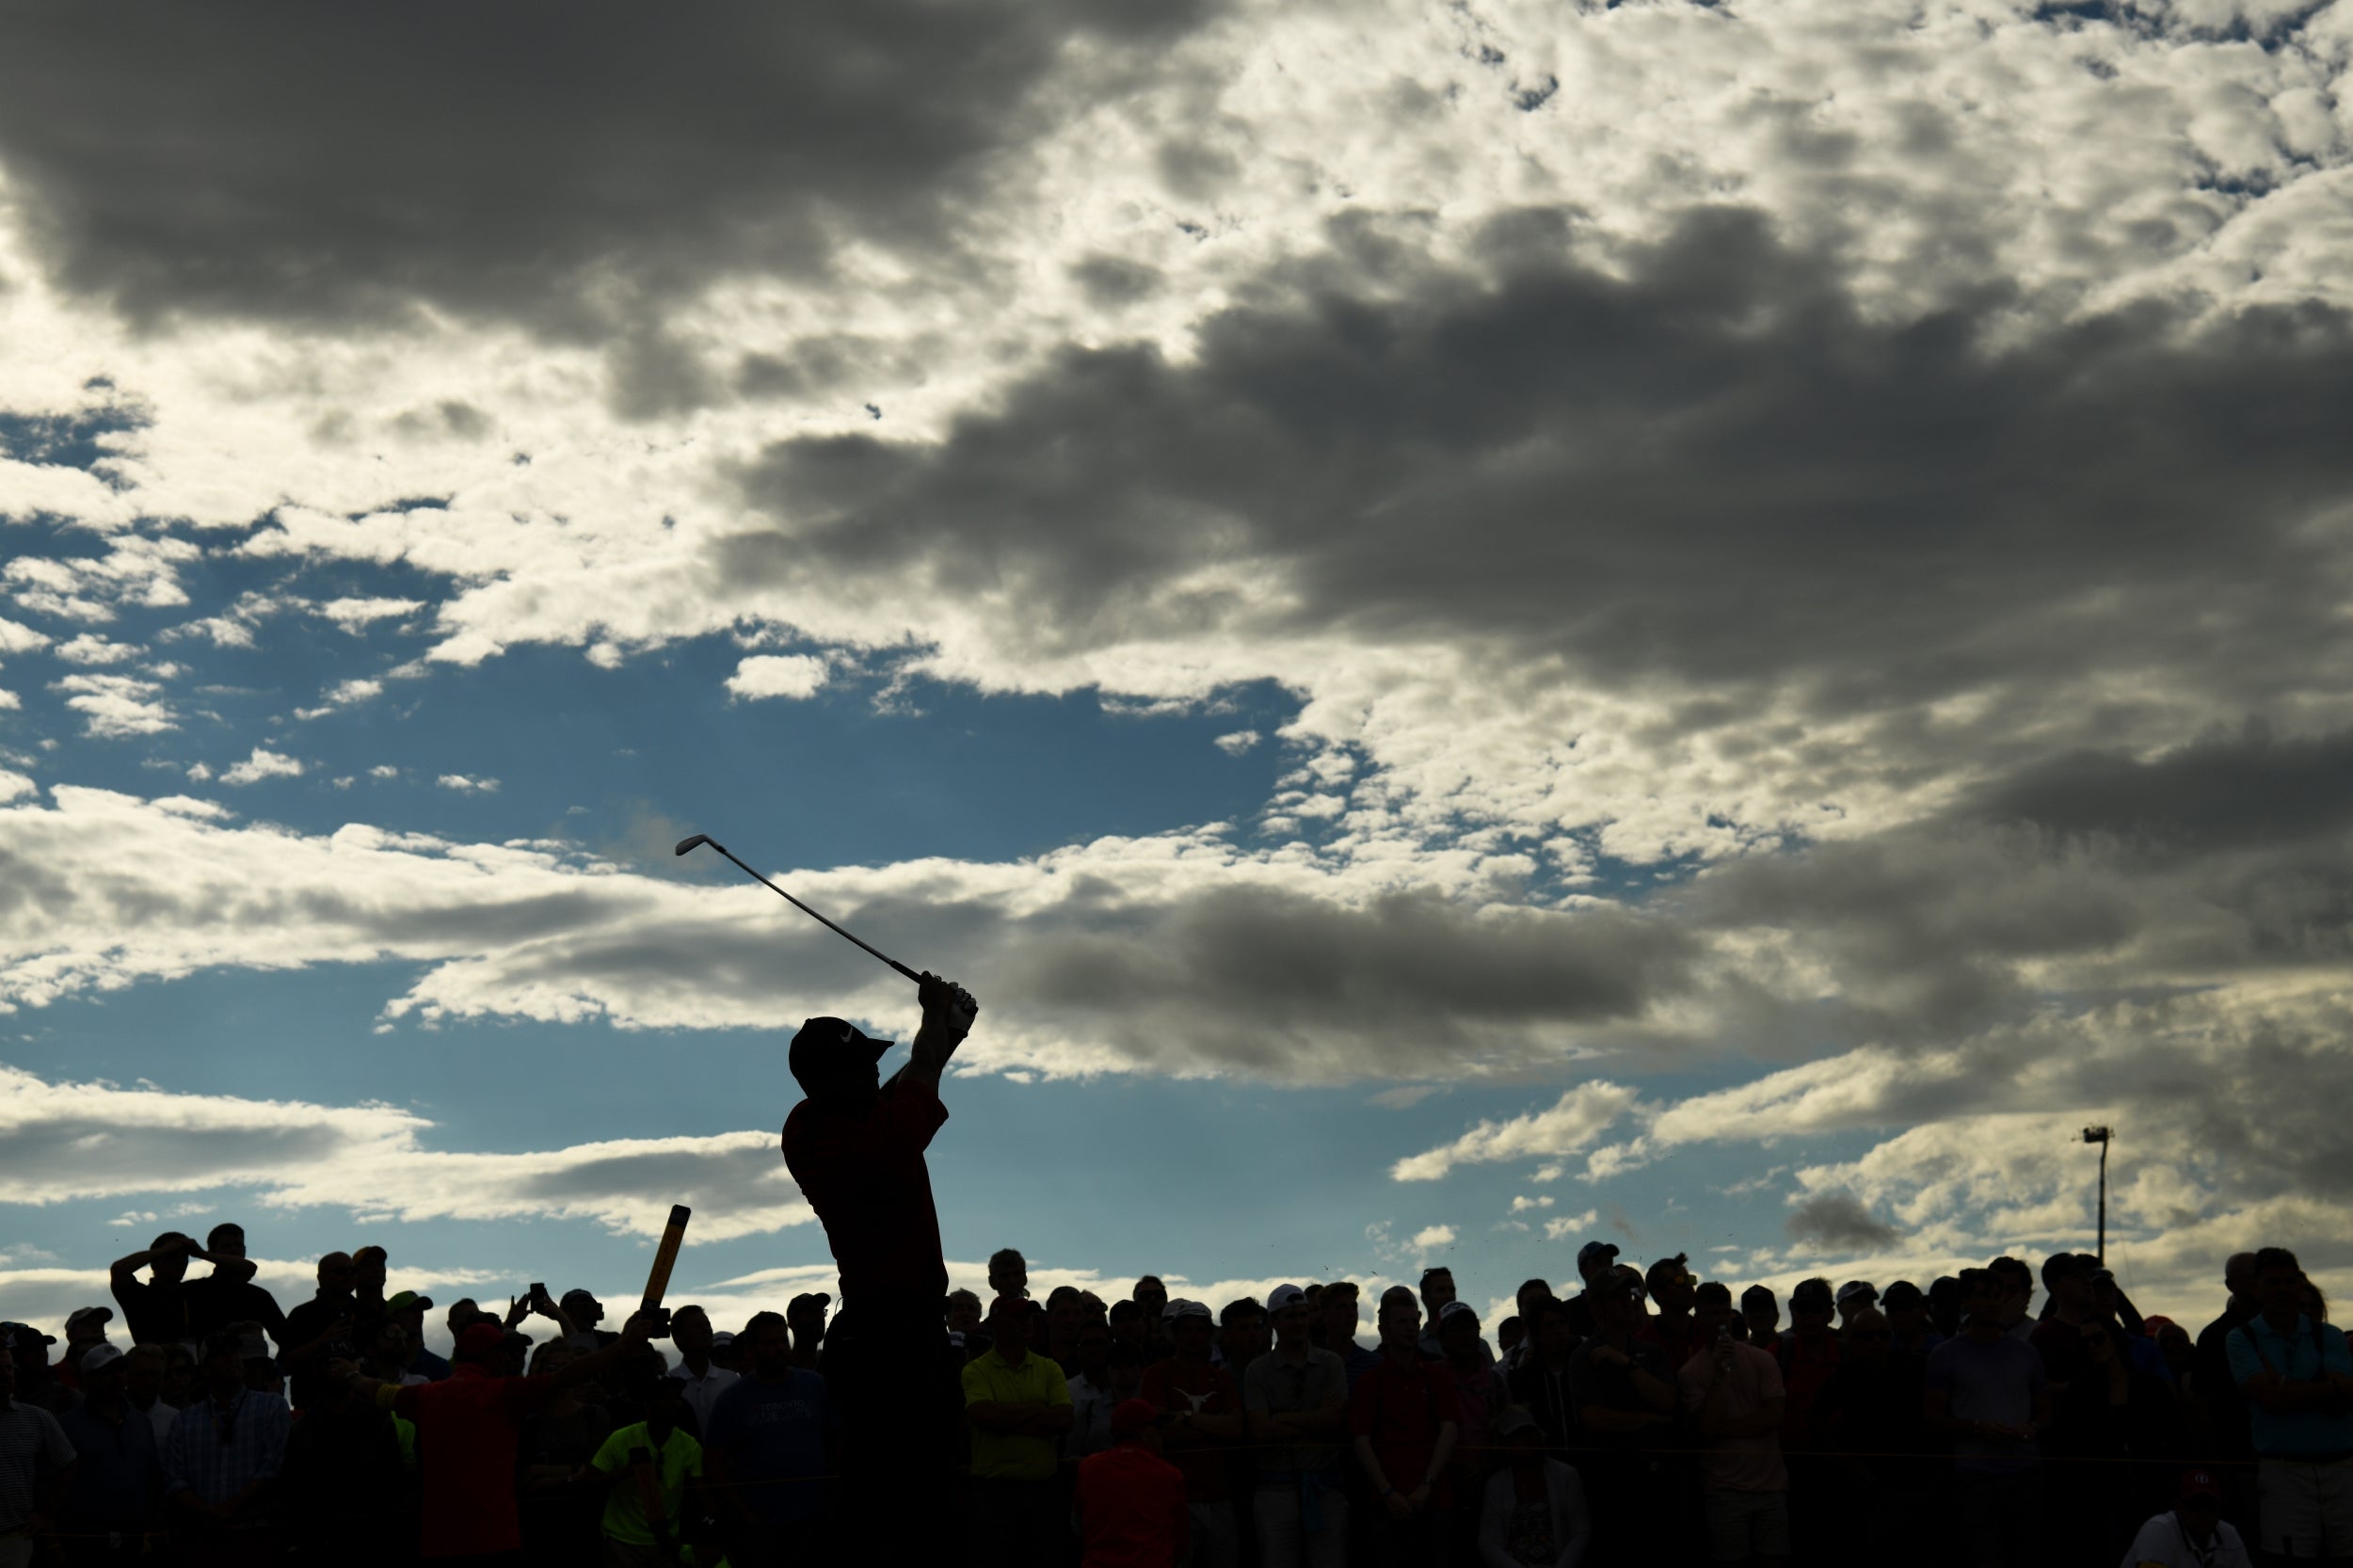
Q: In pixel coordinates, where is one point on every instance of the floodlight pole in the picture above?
(2103, 1136)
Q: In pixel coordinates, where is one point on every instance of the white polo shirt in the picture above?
(702, 1392)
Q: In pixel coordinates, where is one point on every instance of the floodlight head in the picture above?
(2097, 1135)
(695, 843)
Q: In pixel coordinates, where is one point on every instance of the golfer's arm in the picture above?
(928, 1058)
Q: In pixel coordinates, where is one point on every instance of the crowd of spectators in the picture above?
(1643, 1417)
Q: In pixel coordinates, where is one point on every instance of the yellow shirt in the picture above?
(992, 1380)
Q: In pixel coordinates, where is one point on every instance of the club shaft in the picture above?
(813, 914)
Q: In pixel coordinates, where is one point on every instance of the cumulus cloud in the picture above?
(1570, 1125)
(464, 784)
(356, 614)
(786, 675)
(262, 765)
(113, 706)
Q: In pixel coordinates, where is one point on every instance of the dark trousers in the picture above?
(891, 1373)
(1424, 1541)
(1013, 1523)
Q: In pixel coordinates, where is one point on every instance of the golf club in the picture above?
(700, 838)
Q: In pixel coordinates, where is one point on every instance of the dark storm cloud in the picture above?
(1710, 470)
(2217, 793)
(1838, 1221)
(561, 163)
(1290, 986)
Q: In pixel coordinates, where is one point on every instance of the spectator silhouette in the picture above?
(1403, 1417)
(1206, 1410)
(227, 1295)
(1532, 1510)
(1296, 1397)
(223, 1456)
(1732, 1392)
(2297, 1381)
(1985, 1388)
(1129, 1503)
(1017, 1404)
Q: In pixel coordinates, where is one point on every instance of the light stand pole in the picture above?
(2104, 1137)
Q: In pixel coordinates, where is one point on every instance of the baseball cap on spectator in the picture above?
(2200, 1483)
(1591, 1250)
(99, 1357)
(1452, 1310)
(579, 1294)
(1758, 1295)
(253, 1347)
(1811, 1295)
(1902, 1294)
(826, 1048)
(1288, 1295)
(1180, 1308)
(722, 1339)
(96, 1317)
(25, 1333)
(1858, 1290)
(1129, 1416)
(808, 1299)
(406, 1300)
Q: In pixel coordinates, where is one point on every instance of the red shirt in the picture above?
(1132, 1510)
(1205, 1390)
(1805, 1369)
(466, 1431)
(1400, 1408)
(864, 1174)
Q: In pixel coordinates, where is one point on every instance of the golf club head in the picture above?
(685, 844)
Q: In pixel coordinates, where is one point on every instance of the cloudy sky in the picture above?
(1478, 625)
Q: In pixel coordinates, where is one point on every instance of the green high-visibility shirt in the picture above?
(677, 1458)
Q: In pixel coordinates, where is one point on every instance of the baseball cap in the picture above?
(2198, 1483)
(1179, 1307)
(1903, 1293)
(98, 1317)
(722, 1339)
(1452, 1310)
(1133, 1415)
(1758, 1295)
(826, 1046)
(25, 1333)
(100, 1357)
(579, 1294)
(812, 1297)
(1590, 1250)
(1288, 1295)
(406, 1300)
(1858, 1289)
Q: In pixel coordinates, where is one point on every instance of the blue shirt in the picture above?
(1996, 1382)
(218, 1453)
(773, 1437)
(2256, 1348)
(116, 1474)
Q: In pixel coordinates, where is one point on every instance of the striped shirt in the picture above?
(217, 1452)
(32, 1448)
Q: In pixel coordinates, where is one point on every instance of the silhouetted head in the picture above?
(838, 1065)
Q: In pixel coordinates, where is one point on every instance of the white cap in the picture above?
(99, 1354)
(1179, 1307)
(1455, 1310)
(1283, 1296)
